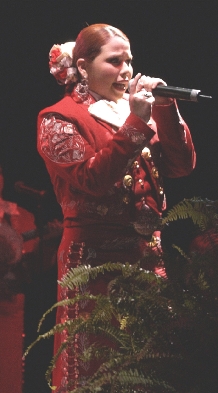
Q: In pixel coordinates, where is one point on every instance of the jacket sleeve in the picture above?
(178, 156)
(69, 155)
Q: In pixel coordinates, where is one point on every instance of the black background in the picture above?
(175, 40)
(172, 39)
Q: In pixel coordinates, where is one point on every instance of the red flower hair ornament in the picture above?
(60, 62)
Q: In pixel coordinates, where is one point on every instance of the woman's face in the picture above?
(110, 72)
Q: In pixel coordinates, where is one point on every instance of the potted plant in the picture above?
(163, 331)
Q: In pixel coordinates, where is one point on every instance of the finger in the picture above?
(133, 83)
(144, 82)
(149, 83)
(158, 81)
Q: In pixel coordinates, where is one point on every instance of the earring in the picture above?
(82, 89)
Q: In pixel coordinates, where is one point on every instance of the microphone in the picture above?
(180, 93)
(22, 188)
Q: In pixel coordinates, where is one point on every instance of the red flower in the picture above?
(62, 74)
(55, 52)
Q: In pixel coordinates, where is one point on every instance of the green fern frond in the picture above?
(63, 303)
(123, 381)
(202, 282)
(58, 328)
(133, 378)
(82, 274)
(194, 209)
(117, 336)
(48, 374)
(103, 309)
(181, 252)
(202, 212)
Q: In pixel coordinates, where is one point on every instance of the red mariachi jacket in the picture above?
(104, 173)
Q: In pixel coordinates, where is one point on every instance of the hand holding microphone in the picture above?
(150, 84)
(140, 99)
(160, 89)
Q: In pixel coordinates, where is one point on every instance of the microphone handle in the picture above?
(179, 93)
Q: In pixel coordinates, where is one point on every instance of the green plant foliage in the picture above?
(203, 212)
(163, 332)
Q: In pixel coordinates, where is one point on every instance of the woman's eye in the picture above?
(129, 62)
(115, 60)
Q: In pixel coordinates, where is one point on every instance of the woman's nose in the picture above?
(125, 71)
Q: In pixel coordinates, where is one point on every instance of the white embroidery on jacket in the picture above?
(60, 140)
(137, 137)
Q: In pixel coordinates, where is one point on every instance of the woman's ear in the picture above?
(81, 66)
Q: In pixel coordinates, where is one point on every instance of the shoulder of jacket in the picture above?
(66, 107)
